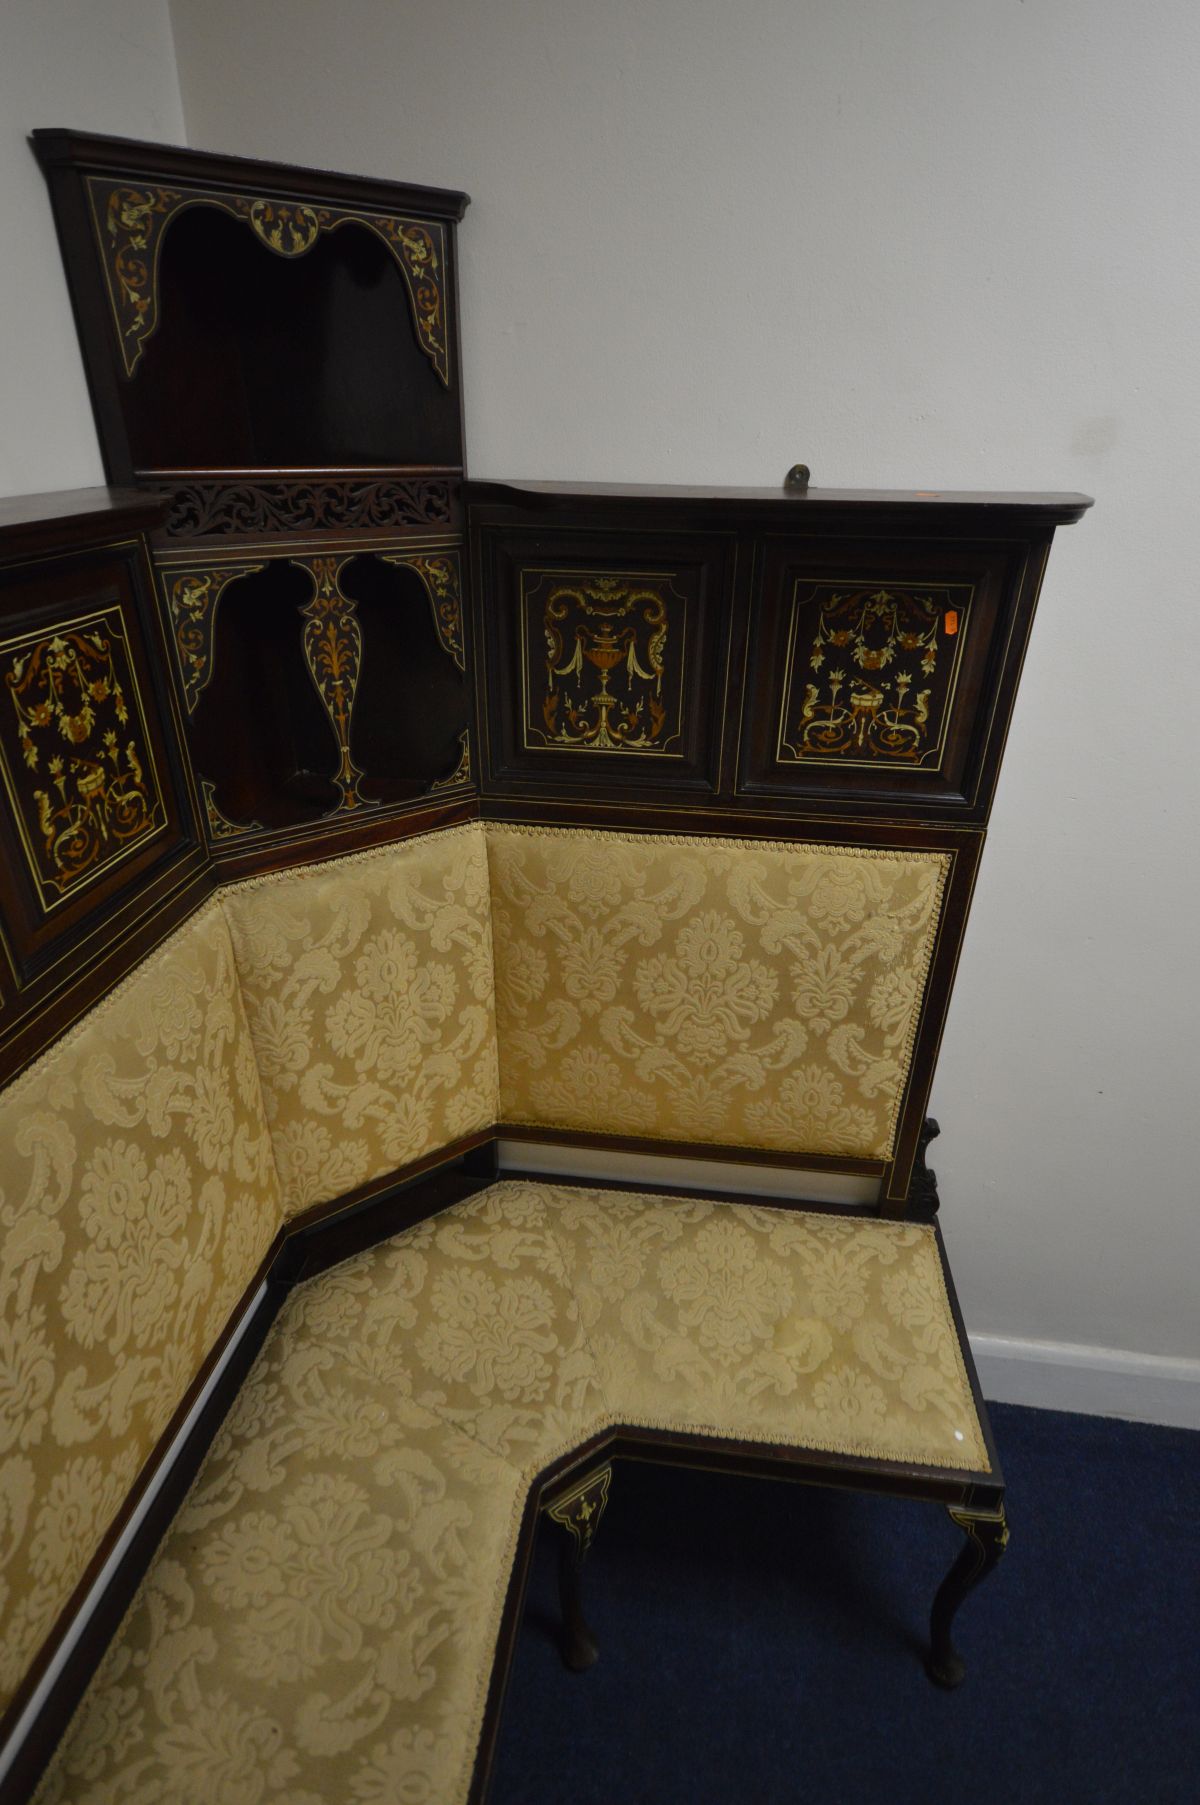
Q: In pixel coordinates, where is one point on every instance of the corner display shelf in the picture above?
(274, 353)
(674, 800)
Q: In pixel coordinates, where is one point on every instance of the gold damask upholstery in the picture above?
(320, 1622)
(749, 993)
(368, 986)
(472, 1315)
(797, 1328)
(316, 1029)
(137, 1199)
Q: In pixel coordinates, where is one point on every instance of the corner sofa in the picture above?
(327, 1615)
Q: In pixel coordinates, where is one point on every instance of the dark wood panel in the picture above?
(603, 659)
(99, 850)
(876, 670)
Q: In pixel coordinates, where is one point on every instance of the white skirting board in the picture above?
(1098, 1381)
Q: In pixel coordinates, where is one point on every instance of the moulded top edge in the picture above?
(1057, 506)
(100, 508)
(60, 147)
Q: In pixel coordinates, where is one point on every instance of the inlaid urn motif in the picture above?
(603, 661)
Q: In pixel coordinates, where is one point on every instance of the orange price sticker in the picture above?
(951, 621)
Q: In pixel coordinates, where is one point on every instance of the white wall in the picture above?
(913, 242)
(99, 67)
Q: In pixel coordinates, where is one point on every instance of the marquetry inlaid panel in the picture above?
(604, 658)
(871, 671)
(77, 764)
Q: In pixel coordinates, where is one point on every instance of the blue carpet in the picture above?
(762, 1641)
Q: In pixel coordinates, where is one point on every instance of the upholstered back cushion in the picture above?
(137, 1199)
(368, 987)
(748, 993)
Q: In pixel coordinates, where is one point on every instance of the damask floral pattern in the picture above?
(368, 985)
(774, 1325)
(470, 1315)
(138, 1199)
(736, 992)
(726, 991)
(321, 1620)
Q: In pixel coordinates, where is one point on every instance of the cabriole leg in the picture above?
(577, 1512)
(987, 1538)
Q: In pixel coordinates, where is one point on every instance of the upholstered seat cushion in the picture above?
(320, 1622)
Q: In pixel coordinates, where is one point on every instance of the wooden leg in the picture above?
(578, 1511)
(987, 1538)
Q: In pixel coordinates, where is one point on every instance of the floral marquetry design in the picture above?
(74, 752)
(192, 599)
(604, 662)
(332, 642)
(738, 992)
(130, 223)
(871, 672)
(441, 575)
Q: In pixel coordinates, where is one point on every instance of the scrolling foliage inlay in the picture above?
(608, 673)
(192, 598)
(871, 672)
(73, 747)
(332, 641)
(441, 575)
(130, 223)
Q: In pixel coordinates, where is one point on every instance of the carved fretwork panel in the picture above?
(871, 671)
(603, 660)
(74, 753)
(130, 222)
(250, 506)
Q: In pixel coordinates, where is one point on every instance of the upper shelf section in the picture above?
(787, 506)
(759, 653)
(241, 317)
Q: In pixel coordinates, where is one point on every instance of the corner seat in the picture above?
(321, 1620)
